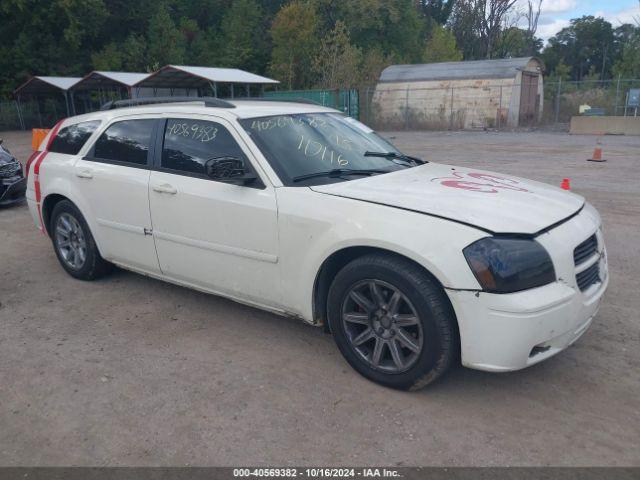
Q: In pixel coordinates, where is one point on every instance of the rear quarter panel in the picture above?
(56, 173)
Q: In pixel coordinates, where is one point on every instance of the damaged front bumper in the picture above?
(510, 332)
(12, 190)
(503, 332)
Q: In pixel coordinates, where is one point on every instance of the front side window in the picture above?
(188, 144)
(70, 140)
(301, 145)
(126, 142)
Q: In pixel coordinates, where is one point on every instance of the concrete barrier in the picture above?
(605, 125)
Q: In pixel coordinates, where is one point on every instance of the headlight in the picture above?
(506, 265)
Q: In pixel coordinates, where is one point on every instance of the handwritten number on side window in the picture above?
(195, 131)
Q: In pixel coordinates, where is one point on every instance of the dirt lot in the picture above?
(133, 371)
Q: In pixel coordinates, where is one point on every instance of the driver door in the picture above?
(213, 235)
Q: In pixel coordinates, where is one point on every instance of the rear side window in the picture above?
(125, 142)
(71, 139)
(188, 144)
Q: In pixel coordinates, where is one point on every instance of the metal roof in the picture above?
(40, 84)
(181, 76)
(98, 79)
(502, 68)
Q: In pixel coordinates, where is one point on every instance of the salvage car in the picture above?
(12, 181)
(297, 209)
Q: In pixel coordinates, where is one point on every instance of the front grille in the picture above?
(585, 250)
(588, 277)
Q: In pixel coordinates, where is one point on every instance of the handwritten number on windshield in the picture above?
(312, 148)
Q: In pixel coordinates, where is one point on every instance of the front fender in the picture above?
(313, 226)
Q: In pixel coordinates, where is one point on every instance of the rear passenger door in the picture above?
(113, 178)
(214, 235)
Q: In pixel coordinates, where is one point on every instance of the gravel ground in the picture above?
(132, 371)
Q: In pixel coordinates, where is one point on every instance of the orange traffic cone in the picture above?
(597, 153)
(565, 185)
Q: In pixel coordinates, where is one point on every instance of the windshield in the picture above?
(302, 145)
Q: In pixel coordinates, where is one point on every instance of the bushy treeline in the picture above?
(303, 43)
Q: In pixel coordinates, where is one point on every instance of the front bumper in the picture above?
(12, 190)
(504, 332)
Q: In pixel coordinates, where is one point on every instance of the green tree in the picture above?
(479, 25)
(395, 27)
(84, 20)
(134, 54)
(628, 65)
(243, 36)
(55, 37)
(337, 62)
(196, 43)
(437, 11)
(294, 36)
(587, 42)
(518, 42)
(166, 43)
(373, 62)
(109, 58)
(561, 71)
(441, 47)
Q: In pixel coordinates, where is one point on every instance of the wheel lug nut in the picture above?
(380, 331)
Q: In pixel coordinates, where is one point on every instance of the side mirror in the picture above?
(228, 170)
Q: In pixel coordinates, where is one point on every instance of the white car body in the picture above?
(266, 247)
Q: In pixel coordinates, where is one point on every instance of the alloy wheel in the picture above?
(382, 326)
(70, 241)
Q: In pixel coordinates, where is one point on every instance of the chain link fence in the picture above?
(9, 116)
(477, 104)
(564, 99)
(34, 113)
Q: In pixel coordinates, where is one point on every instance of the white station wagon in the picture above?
(299, 210)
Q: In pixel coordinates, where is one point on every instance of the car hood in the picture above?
(491, 201)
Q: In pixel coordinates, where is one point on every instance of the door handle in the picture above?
(85, 173)
(165, 188)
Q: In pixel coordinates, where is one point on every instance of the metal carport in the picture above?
(102, 86)
(200, 80)
(38, 87)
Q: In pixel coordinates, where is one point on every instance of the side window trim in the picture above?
(90, 155)
(158, 143)
(91, 158)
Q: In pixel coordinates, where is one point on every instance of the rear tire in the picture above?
(74, 244)
(392, 321)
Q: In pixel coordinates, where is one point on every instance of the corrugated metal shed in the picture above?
(40, 84)
(181, 76)
(502, 68)
(103, 79)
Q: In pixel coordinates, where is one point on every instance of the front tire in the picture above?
(74, 244)
(392, 321)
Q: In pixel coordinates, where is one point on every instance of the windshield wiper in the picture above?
(396, 156)
(337, 172)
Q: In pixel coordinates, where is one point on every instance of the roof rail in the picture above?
(208, 102)
(278, 99)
